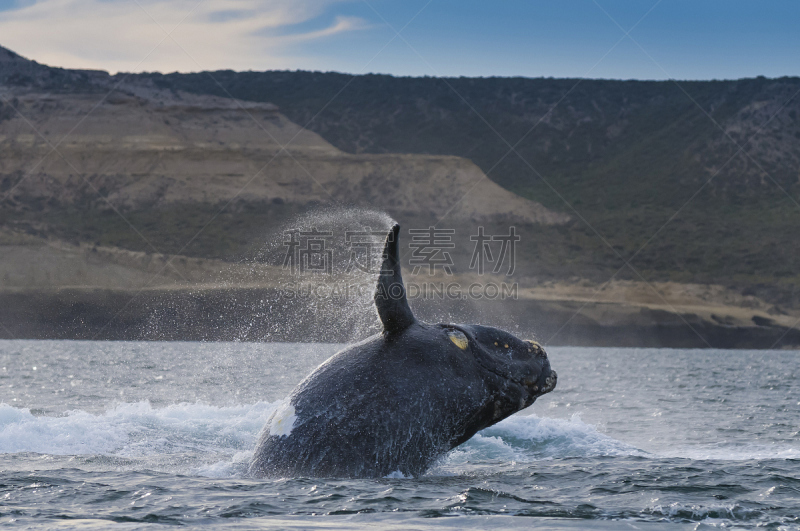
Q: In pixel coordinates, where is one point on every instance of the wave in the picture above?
(218, 441)
(734, 452)
(526, 438)
(134, 430)
(529, 438)
(138, 429)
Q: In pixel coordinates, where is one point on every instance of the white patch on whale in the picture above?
(282, 421)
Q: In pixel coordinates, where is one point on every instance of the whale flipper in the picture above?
(390, 294)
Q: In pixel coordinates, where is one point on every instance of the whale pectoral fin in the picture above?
(390, 294)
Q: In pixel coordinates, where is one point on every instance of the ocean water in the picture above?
(152, 434)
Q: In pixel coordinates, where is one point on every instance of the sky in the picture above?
(614, 39)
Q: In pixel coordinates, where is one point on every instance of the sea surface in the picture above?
(154, 434)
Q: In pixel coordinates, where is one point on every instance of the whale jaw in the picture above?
(549, 383)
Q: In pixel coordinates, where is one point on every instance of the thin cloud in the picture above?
(217, 34)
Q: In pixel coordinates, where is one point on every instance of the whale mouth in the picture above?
(548, 385)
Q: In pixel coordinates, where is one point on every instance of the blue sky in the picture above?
(683, 39)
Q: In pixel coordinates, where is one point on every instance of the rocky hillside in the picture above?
(651, 172)
(139, 147)
(651, 213)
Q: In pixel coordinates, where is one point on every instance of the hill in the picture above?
(72, 155)
(652, 213)
(651, 172)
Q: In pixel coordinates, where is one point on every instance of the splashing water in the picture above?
(340, 298)
(293, 286)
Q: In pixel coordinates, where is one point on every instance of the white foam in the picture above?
(218, 441)
(134, 430)
(233, 467)
(549, 437)
(395, 475)
(715, 513)
(529, 438)
(733, 452)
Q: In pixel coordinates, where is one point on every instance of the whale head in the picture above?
(495, 372)
(521, 363)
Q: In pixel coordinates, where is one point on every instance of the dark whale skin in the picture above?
(399, 400)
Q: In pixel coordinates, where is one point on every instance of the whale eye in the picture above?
(458, 338)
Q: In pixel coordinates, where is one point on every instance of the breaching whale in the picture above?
(399, 400)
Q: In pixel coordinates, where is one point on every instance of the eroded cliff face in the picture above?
(141, 147)
(79, 148)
